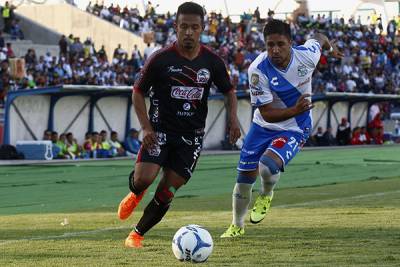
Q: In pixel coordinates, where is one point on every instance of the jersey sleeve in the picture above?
(145, 80)
(260, 93)
(221, 77)
(311, 53)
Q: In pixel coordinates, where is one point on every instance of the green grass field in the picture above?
(332, 208)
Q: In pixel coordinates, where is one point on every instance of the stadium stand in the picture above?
(371, 64)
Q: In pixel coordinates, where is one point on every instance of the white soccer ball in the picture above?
(192, 243)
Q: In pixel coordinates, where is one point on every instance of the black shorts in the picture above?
(175, 151)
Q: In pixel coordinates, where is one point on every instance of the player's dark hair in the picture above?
(276, 26)
(191, 8)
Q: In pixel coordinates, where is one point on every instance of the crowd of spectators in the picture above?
(373, 133)
(95, 145)
(371, 63)
(11, 23)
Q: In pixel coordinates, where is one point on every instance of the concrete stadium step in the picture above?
(17, 42)
(8, 39)
(66, 19)
(20, 49)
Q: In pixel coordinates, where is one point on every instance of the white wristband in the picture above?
(331, 49)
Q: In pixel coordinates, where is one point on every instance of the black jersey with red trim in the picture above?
(179, 88)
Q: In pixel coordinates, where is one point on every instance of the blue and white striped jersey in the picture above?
(282, 88)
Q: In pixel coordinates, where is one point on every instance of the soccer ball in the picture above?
(192, 243)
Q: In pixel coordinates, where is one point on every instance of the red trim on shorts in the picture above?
(139, 155)
(137, 90)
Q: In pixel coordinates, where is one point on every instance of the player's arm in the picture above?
(143, 85)
(149, 137)
(224, 85)
(328, 45)
(272, 115)
(233, 123)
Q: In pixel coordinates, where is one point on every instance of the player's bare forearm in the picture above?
(149, 137)
(271, 114)
(231, 101)
(140, 109)
(322, 40)
(328, 45)
(233, 124)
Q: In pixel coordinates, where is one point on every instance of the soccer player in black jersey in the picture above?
(177, 79)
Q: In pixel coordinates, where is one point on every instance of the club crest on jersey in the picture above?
(302, 71)
(203, 75)
(255, 79)
(279, 142)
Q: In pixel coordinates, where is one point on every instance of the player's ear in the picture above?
(175, 26)
(289, 41)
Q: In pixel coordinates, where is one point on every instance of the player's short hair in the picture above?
(191, 8)
(276, 26)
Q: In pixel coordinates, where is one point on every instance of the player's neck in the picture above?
(284, 64)
(189, 53)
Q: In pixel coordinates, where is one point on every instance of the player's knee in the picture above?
(245, 178)
(165, 195)
(137, 184)
(268, 167)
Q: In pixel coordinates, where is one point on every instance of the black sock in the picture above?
(152, 215)
(132, 186)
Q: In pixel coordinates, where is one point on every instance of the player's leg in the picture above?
(282, 149)
(241, 198)
(159, 205)
(178, 168)
(148, 164)
(139, 180)
(254, 146)
(270, 166)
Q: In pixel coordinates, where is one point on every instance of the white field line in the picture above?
(65, 235)
(74, 234)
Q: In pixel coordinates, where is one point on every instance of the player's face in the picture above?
(188, 29)
(278, 48)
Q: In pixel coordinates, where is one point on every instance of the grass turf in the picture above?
(338, 207)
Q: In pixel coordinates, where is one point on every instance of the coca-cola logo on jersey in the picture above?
(187, 92)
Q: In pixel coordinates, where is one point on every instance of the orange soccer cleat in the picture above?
(128, 204)
(134, 240)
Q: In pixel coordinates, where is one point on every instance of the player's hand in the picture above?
(149, 138)
(234, 131)
(336, 52)
(303, 104)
